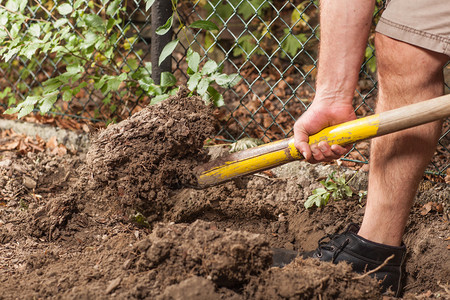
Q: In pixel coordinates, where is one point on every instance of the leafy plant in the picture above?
(85, 44)
(90, 55)
(202, 79)
(333, 188)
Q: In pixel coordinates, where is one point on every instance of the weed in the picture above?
(335, 188)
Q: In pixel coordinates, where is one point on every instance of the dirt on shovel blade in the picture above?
(122, 222)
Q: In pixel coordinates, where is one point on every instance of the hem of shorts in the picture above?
(413, 36)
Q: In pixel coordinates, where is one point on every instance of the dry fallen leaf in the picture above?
(426, 208)
(52, 143)
(431, 206)
(9, 145)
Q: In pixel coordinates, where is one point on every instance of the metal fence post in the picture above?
(161, 12)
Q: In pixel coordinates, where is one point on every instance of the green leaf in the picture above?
(77, 4)
(193, 60)
(51, 85)
(94, 22)
(30, 50)
(193, 81)
(209, 67)
(132, 63)
(319, 198)
(168, 79)
(249, 8)
(67, 95)
(292, 44)
(173, 91)
(113, 7)
(348, 191)
(168, 50)
(114, 82)
(35, 30)
(16, 5)
(148, 4)
(205, 25)
(162, 30)
(3, 20)
(74, 69)
(5, 92)
(158, 99)
(10, 54)
(25, 111)
(60, 22)
(222, 79)
(247, 46)
(203, 86)
(65, 9)
(12, 110)
(90, 39)
(48, 101)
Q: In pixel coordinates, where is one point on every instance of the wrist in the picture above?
(334, 96)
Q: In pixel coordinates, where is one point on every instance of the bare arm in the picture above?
(345, 26)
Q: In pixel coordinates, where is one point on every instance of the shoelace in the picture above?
(324, 245)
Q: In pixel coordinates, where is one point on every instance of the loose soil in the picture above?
(124, 221)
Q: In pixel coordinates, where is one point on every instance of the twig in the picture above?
(267, 177)
(44, 9)
(55, 19)
(7, 32)
(19, 14)
(376, 269)
(444, 287)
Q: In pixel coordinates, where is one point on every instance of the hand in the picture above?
(321, 114)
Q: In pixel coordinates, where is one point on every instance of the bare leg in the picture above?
(406, 74)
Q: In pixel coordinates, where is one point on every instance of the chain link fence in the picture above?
(273, 45)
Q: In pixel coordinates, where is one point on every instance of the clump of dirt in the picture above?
(227, 258)
(138, 162)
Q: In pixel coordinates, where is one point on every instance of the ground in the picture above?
(125, 221)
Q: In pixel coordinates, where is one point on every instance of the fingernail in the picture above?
(304, 154)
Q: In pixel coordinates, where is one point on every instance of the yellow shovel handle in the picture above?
(280, 152)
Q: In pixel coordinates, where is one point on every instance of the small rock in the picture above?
(113, 284)
(29, 183)
(5, 163)
(143, 245)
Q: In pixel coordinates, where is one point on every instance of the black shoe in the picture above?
(362, 254)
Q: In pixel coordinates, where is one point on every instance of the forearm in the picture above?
(344, 29)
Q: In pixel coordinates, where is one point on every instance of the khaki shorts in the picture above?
(424, 23)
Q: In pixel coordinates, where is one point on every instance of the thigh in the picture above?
(418, 22)
(407, 73)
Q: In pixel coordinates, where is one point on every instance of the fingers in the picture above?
(321, 152)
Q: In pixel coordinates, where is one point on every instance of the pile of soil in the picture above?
(123, 221)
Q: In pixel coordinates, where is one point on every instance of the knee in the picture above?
(407, 64)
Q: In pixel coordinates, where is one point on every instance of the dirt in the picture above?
(123, 221)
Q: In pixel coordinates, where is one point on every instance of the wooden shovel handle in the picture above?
(277, 153)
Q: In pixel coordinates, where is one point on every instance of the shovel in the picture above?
(277, 153)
